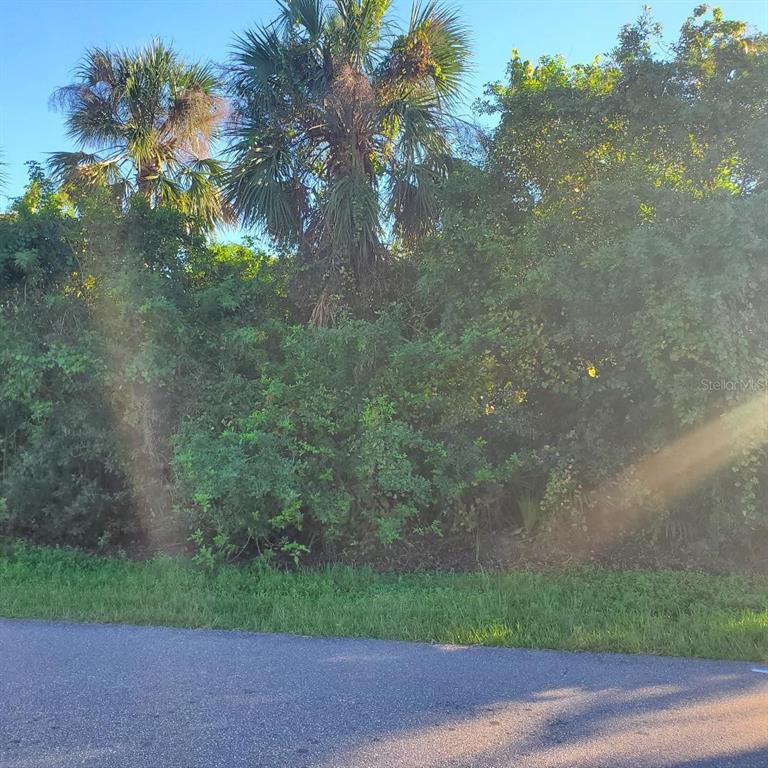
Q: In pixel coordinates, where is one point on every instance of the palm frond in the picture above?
(195, 77)
(262, 187)
(259, 56)
(169, 191)
(352, 219)
(306, 14)
(193, 121)
(92, 118)
(84, 167)
(421, 127)
(202, 197)
(420, 161)
(359, 30)
(432, 56)
(99, 67)
(412, 200)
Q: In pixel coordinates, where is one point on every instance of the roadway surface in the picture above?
(143, 697)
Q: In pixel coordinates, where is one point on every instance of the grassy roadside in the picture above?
(670, 613)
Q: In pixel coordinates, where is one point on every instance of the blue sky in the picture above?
(42, 40)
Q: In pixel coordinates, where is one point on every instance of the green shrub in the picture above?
(601, 263)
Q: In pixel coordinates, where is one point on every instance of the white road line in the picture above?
(762, 671)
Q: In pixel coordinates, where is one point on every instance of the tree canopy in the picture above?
(584, 326)
(149, 118)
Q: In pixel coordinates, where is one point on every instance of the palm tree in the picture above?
(340, 131)
(149, 118)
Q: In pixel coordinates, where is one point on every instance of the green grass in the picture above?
(684, 614)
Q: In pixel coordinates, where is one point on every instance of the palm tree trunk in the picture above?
(144, 181)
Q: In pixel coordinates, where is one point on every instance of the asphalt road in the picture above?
(105, 696)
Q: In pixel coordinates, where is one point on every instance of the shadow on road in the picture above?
(565, 710)
(91, 695)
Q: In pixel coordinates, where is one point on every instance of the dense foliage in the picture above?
(595, 291)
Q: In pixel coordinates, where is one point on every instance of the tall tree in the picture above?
(149, 118)
(341, 132)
